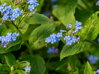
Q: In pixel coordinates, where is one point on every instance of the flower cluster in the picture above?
(33, 4)
(78, 26)
(9, 12)
(54, 37)
(52, 50)
(93, 59)
(8, 38)
(70, 39)
(27, 69)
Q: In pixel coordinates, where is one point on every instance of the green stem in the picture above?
(22, 37)
(16, 28)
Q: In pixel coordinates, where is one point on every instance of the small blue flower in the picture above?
(5, 17)
(93, 59)
(59, 35)
(52, 39)
(97, 71)
(15, 14)
(78, 26)
(27, 69)
(70, 39)
(8, 38)
(2, 7)
(33, 4)
(52, 50)
(62, 31)
(69, 26)
(54, 6)
(31, 7)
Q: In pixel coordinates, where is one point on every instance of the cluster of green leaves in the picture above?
(30, 47)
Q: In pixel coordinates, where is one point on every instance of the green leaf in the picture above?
(38, 36)
(88, 69)
(65, 12)
(37, 63)
(36, 19)
(4, 69)
(10, 59)
(69, 50)
(18, 72)
(6, 1)
(91, 28)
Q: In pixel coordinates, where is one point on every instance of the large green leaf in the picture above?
(88, 69)
(36, 19)
(38, 36)
(10, 59)
(91, 28)
(69, 50)
(4, 69)
(37, 63)
(65, 12)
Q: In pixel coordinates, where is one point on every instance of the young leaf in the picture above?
(38, 36)
(10, 59)
(65, 12)
(69, 50)
(37, 63)
(88, 69)
(91, 27)
(36, 19)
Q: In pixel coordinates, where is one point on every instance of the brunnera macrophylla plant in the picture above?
(49, 37)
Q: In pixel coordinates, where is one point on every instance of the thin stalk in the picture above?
(22, 37)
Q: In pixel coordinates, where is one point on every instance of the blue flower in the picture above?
(9, 12)
(15, 14)
(2, 7)
(70, 39)
(33, 4)
(52, 39)
(31, 7)
(54, 6)
(78, 26)
(93, 59)
(52, 50)
(27, 69)
(97, 71)
(69, 26)
(59, 35)
(62, 31)
(8, 38)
